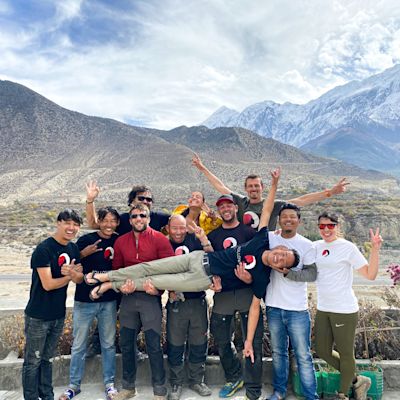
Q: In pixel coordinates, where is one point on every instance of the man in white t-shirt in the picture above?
(287, 308)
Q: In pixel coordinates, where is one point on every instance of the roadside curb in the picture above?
(11, 369)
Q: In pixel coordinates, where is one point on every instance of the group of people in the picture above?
(237, 253)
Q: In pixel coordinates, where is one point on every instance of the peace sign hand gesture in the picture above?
(376, 239)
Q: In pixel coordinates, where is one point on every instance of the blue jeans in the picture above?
(285, 324)
(84, 314)
(41, 342)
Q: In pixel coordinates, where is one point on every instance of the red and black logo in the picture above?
(63, 259)
(325, 253)
(179, 251)
(251, 218)
(229, 242)
(249, 262)
(109, 253)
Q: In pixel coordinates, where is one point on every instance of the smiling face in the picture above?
(289, 222)
(108, 225)
(66, 231)
(328, 229)
(196, 200)
(254, 188)
(177, 228)
(228, 211)
(279, 257)
(139, 220)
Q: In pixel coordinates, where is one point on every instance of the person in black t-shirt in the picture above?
(97, 251)
(54, 263)
(138, 194)
(231, 234)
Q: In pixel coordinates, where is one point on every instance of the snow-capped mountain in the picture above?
(362, 108)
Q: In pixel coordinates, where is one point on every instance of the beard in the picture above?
(228, 220)
(143, 228)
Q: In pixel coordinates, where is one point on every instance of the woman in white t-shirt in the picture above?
(337, 306)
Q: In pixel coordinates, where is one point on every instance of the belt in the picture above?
(206, 265)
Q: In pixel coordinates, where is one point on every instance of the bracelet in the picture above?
(328, 193)
(89, 202)
(206, 244)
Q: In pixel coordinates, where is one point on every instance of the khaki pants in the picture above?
(183, 273)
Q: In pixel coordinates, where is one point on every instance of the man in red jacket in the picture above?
(140, 309)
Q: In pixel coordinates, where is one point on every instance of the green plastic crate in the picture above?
(331, 382)
(376, 376)
(297, 389)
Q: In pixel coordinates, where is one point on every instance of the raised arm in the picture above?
(92, 191)
(370, 270)
(215, 182)
(311, 198)
(268, 204)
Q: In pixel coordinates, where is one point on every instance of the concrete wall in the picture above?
(11, 367)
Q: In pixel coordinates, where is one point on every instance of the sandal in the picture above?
(94, 281)
(95, 294)
(69, 394)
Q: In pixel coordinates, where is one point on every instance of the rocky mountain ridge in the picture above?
(369, 108)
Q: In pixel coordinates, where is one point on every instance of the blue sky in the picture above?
(167, 63)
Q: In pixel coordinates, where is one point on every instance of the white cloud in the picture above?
(171, 63)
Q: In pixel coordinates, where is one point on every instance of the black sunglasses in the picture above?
(143, 198)
(134, 216)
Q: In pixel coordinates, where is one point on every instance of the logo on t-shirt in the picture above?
(325, 253)
(251, 218)
(179, 251)
(63, 259)
(249, 262)
(109, 253)
(229, 242)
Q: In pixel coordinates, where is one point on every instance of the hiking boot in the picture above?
(230, 388)
(125, 394)
(361, 387)
(111, 392)
(201, 388)
(175, 393)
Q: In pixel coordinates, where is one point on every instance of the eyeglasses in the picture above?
(143, 198)
(329, 226)
(134, 216)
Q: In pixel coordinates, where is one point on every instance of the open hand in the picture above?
(242, 273)
(92, 190)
